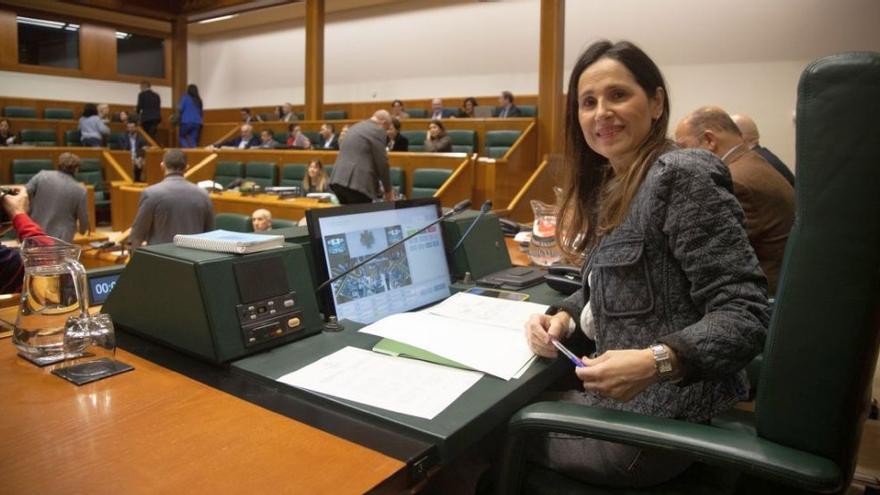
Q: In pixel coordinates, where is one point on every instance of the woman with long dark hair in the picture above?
(190, 117)
(92, 130)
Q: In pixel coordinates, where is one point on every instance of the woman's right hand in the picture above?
(540, 328)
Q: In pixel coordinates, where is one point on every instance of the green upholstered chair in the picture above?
(292, 174)
(281, 136)
(328, 169)
(821, 349)
(416, 140)
(301, 115)
(233, 222)
(22, 169)
(528, 110)
(58, 114)
(268, 116)
(417, 113)
(91, 172)
(313, 136)
(227, 172)
(426, 181)
(71, 138)
(113, 140)
(335, 115)
(463, 141)
(38, 137)
(263, 173)
(398, 179)
(280, 223)
(498, 142)
(20, 112)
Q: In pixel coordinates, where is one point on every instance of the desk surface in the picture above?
(154, 431)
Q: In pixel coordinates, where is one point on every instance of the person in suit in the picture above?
(437, 110)
(246, 139)
(58, 200)
(173, 206)
(362, 164)
(767, 199)
(506, 108)
(396, 141)
(267, 141)
(191, 117)
(436, 140)
(750, 134)
(131, 141)
(149, 106)
(329, 140)
(261, 220)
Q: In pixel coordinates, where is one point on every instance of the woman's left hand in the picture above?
(620, 375)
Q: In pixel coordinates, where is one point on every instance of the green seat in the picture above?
(335, 115)
(38, 137)
(280, 136)
(20, 112)
(280, 223)
(71, 138)
(91, 172)
(416, 140)
(528, 110)
(292, 174)
(233, 222)
(462, 141)
(268, 116)
(313, 136)
(498, 142)
(328, 169)
(822, 344)
(114, 139)
(417, 113)
(301, 115)
(398, 179)
(22, 169)
(58, 114)
(426, 181)
(262, 173)
(228, 172)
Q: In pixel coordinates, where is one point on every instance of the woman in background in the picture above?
(467, 108)
(316, 179)
(92, 129)
(436, 140)
(296, 139)
(191, 117)
(396, 141)
(7, 137)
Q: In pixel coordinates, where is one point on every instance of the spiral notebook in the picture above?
(225, 241)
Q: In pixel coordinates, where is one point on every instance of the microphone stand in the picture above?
(487, 205)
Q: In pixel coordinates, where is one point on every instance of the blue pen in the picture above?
(570, 355)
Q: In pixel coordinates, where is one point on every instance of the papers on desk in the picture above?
(406, 386)
(479, 332)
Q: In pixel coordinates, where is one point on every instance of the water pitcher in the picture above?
(543, 249)
(54, 290)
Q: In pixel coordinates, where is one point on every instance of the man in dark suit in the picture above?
(134, 143)
(506, 108)
(329, 140)
(148, 109)
(362, 164)
(750, 134)
(437, 110)
(246, 139)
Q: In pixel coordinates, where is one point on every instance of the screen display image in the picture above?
(405, 277)
(100, 287)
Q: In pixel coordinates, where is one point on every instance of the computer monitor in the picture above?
(407, 277)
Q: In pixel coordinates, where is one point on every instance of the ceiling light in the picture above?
(215, 19)
(40, 22)
(122, 36)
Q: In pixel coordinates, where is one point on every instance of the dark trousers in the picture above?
(189, 135)
(150, 127)
(348, 196)
(91, 142)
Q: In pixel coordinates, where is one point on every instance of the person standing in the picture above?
(190, 117)
(362, 164)
(92, 129)
(149, 109)
(58, 200)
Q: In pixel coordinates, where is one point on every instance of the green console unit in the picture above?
(483, 250)
(216, 306)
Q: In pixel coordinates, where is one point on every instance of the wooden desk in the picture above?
(154, 431)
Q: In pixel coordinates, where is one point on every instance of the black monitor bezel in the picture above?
(101, 272)
(325, 296)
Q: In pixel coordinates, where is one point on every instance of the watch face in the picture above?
(664, 367)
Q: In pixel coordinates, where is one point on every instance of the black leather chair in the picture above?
(821, 350)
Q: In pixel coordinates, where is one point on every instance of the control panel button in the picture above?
(288, 303)
(293, 322)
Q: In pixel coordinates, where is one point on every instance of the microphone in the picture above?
(458, 208)
(487, 205)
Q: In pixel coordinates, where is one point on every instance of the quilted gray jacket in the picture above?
(679, 270)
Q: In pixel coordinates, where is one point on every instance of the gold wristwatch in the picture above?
(663, 362)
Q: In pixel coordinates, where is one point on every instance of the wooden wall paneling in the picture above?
(550, 77)
(8, 39)
(539, 186)
(459, 186)
(124, 200)
(314, 59)
(520, 161)
(114, 170)
(203, 170)
(484, 180)
(97, 51)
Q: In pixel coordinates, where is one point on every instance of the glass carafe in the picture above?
(543, 249)
(53, 291)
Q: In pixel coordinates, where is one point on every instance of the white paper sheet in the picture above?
(406, 386)
(487, 310)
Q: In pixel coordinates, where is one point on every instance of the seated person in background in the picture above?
(751, 136)
(287, 114)
(173, 206)
(91, 128)
(437, 111)
(11, 267)
(316, 179)
(397, 110)
(672, 336)
(396, 140)
(247, 117)
(342, 132)
(767, 199)
(7, 137)
(506, 108)
(267, 141)
(58, 200)
(329, 139)
(436, 140)
(104, 112)
(298, 140)
(261, 220)
(244, 140)
(132, 140)
(122, 117)
(467, 108)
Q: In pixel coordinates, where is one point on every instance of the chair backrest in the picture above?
(58, 114)
(38, 137)
(328, 169)
(280, 223)
(20, 112)
(24, 168)
(335, 114)
(113, 140)
(426, 181)
(91, 172)
(226, 172)
(314, 137)
(498, 142)
(398, 178)
(72, 138)
(417, 113)
(268, 116)
(528, 110)
(263, 173)
(463, 141)
(233, 222)
(292, 174)
(822, 346)
(416, 140)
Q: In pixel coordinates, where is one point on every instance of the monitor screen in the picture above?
(409, 276)
(101, 283)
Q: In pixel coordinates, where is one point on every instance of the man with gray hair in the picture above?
(173, 206)
(362, 164)
(751, 136)
(766, 198)
(58, 200)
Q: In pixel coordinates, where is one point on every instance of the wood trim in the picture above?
(8, 39)
(97, 51)
(179, 65)
(459, 186)
(204, 170)
(117, 168)
(314, 59)
(149, 139)
(550, 77)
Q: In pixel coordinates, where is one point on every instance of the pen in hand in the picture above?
(570, 355)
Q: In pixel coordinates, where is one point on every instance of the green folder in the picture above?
(399, 349)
